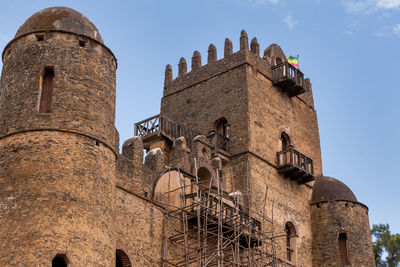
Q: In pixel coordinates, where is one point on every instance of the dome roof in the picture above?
(62, 19)
(330, 189)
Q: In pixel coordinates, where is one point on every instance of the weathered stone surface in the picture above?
(329, 219)
(60, 19)
(65, 189)
(57, 196)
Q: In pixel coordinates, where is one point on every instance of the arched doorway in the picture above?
(60, 260)
(204, 179)
(122, 260)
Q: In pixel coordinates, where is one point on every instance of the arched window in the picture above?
(46, 86)
(285, 141)
(60, 260)
(221, 137)
(204, 179)
(221, 126)
(121, 259)
(290, 242)
(343, 250)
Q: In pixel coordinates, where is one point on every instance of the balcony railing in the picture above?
(295, 165)
(212, 207)
(288, 78)
(160, 124)
(218, 140)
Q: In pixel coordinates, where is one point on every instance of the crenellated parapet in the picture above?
(273, 56)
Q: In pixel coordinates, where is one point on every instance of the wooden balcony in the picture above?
(218, 141)
(287, 77)
(153, 127)
(214, 210)
(295, 165)
(157, 125)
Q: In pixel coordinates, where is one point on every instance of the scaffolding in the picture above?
(205, 226)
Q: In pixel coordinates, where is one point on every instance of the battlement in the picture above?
(283, 74)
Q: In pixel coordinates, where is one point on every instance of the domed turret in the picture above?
(58, 143)
(340, 226)
(331, 189)
(59, 19)
(57, 74)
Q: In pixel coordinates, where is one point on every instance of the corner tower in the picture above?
(340, 226)
(58, 143)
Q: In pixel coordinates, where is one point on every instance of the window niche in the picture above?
(221, 126)
(343, 250)
(285, 141)
(291, 238)
(46, 90)
(60, 260)
(121, 259)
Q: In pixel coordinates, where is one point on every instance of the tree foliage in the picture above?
(385, 244)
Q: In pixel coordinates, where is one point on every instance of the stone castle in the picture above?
(232, 174)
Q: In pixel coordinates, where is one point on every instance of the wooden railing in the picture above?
(211, 207)
(293, 158)
(218, 140)
(289, 78)
(161, 124)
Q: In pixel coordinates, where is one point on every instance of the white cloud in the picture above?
(352, 27)
(365, 6)
(290, 21)
(388, 4)
(389, 31)
(262, 2)
(275, 2)
(369, 6)
(396, 29)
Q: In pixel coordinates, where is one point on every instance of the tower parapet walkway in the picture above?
(157, 125)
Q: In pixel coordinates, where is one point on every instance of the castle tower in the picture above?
(58, 143)
(259, 114)
(340, 226)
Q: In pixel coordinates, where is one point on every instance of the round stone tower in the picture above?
(340, 226)
(58, 143)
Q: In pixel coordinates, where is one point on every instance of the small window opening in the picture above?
(278, 61)
(343, 250)
(204, 177)
(59, 261)
(47, 90)
(97, 143)
(221, 126)
(121, 259)
(39, 37)
(290, 242)
(82, 43)
(285, 141)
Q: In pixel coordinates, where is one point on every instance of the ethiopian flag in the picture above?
(294, 61)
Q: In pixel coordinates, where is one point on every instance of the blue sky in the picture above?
(348, 48)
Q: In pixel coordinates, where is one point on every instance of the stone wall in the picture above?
(329, 219)
(57, 196)
(138, 229)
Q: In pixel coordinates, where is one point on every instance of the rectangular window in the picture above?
(344, 259)
(47, 90)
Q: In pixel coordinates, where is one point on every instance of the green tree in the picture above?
(387, 244)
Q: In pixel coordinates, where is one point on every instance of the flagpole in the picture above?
(298, 62)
